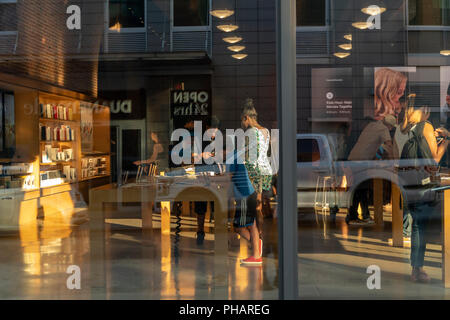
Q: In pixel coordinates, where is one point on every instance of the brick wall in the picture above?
(47, 50)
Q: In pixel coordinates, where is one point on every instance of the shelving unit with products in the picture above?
(94, 166)
(16, 176)
(95, 141)
(95, 163)
(41, 160)
(59, 143)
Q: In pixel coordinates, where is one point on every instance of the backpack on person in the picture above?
(418, 177)
(417, 146)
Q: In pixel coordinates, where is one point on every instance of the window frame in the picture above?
(422, 27)
(314, 140)
(418, 28)
(188, 28)
(325, 27)
(10, 32)
(125, 29)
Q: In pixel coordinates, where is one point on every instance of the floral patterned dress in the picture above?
(259, 169)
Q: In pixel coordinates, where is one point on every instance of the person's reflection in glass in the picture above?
(445, 162)
(422, 145)
(200, 207)
(156, 151)
(375, 135)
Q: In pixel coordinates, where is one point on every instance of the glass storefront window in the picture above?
(128, 135)
(139, 149)
(372, 165)
(429, 12)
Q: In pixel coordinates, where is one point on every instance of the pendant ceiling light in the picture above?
(227, 27)
(222, 13)
(348, 37)
(445, 52)
(346, 46)
(232, 39)
(342, 55)
(236, 48)
(239, 56)
(373, 10)
(361, 25)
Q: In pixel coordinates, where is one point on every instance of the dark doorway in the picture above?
(131, 150)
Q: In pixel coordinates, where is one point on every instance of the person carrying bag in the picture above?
(422, 148)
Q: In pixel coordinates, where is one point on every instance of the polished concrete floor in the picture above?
(332, 262)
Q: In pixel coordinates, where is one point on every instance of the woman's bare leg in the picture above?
(254, 232)
(259, 214)
(244, 233)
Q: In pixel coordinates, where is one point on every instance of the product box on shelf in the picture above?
(50, 154)
(55, 111)
(62, 133)
(17, 168)
(51, 178)
(5, 181)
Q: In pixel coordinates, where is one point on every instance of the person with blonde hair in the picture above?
(423, 144)
(390, 86)
(248, 218)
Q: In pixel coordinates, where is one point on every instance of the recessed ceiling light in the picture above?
(348, 37)
(445, 52)
(227, 27)
(222, 13)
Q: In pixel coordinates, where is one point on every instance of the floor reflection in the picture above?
(336, 267)
(171, 265)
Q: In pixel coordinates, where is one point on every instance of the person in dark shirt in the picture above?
(200, 207)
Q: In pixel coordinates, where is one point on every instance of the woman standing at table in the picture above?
(157, 150)
(424, 145)
(260, 174)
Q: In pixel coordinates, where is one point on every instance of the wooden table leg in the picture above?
(378, 201)
(208, 211)
(147, 223)
(167, 283)
(186, 208)
(165, 217)
(446, 239)
(220, 251)
(397, 217)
